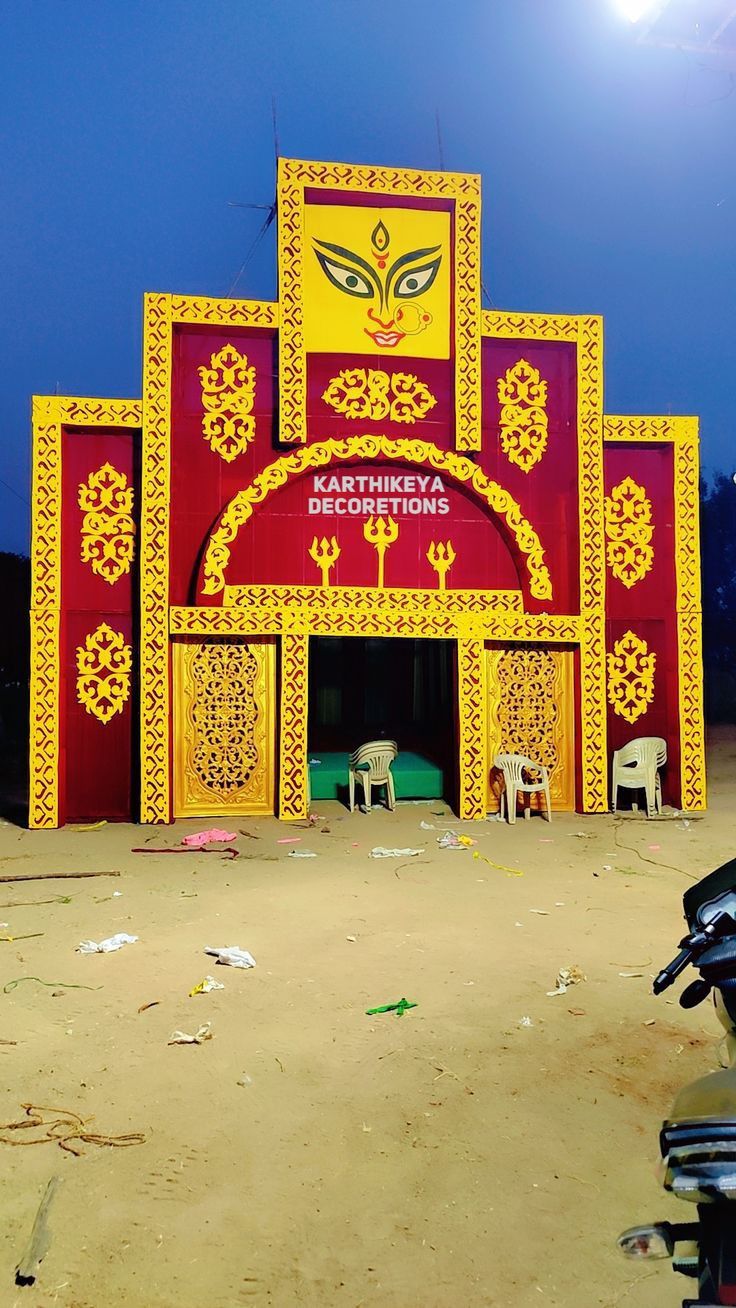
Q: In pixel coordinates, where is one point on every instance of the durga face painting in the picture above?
(377, 281)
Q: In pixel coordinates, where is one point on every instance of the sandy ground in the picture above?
(449, 1158)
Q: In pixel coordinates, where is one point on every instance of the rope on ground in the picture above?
(66, 1128)
(654, 861)
(65, 985)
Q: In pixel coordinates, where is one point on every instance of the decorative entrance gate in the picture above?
(224, 727)
(530, 711)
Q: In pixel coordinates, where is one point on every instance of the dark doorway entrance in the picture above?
(365, 688)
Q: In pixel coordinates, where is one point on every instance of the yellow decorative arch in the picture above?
(323, 453)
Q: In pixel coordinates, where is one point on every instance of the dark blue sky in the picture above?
(609, 176)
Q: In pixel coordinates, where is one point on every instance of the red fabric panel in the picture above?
(548, 493)
(202, 482)
(96, 759)
(438, 427)
(649, 608)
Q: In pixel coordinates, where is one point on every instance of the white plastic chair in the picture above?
(514, 767)
(636, 767)
(371, 766)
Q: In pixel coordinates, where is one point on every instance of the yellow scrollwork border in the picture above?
(294, 176)
(586, 333)
(161, 314)
(682, 434)
(322, 454)
(271, 611)
(50, 414)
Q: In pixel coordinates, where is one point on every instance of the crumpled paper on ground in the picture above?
(231, 956)
(106, 946)
(567, 976)
(199, 838)
(380, 852)
(301, 853)
(205, 986)
(200, 1035)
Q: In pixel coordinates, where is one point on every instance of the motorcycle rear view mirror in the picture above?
(712, 897)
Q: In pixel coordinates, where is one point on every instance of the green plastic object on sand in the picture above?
(399, 1008)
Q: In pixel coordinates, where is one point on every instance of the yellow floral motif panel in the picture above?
(631, 676)
(523, 423)
(108, 529)
(376, 395)
(228, 393)
(629, 532)
(377, 281)
(104, 663)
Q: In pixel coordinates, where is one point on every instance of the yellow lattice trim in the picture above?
(587, 334)
(472, 698)
(204, 310)
(104, 663)
(295, 176)
(348, 611)
(108, 529)
(650, 429)
(293, 796)
(629, 532)
(531, 326)
(631, 668)
(321, 454)
(374, 395)
(50, 414)
(155, 490)
(43, 798)
(689, 622)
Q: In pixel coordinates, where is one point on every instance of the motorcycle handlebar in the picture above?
(670, 973)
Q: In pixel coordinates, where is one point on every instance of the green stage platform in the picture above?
(415, 777)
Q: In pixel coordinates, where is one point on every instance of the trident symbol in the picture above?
(441, 557)
(324, 553)
(381, 534)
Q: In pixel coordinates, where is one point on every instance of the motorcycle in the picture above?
(698, 1140)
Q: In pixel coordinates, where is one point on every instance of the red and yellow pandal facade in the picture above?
(372, 455)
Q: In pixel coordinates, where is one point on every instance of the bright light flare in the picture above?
(635, 10)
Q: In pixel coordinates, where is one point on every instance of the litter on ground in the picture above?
(231, 956)
(199, 838)
(204, 986)
(380, 852)
(108, 946)
(202, 1033)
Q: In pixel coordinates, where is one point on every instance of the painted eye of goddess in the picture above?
(416, 280)
(346, 278)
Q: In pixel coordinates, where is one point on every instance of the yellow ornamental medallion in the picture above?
(373, 394)
(523, 421)
(629, 532)
(228, 394)
(631, 677)
(108, 529)
(103, 673)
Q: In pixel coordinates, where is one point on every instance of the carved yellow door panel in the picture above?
(224, 722)
(531, 712)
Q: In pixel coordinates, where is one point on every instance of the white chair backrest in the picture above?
(515, 764)
(642, 750)
(377, 754)
(659, 745)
